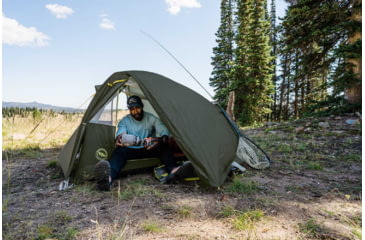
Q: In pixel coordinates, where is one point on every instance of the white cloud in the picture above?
(59, 11)
(17, 34)
(106, 23)
(174, 6)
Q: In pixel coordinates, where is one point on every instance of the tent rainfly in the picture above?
(201, 129)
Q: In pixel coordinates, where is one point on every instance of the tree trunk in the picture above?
(230, 105)
(353, 93)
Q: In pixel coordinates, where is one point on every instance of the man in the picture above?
(135, 139)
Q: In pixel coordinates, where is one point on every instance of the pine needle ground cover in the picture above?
(311, 191)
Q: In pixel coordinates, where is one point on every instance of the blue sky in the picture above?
(55, 51)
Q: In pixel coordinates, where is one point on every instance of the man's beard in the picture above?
(138, 116)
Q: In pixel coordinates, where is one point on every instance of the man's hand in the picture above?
(151, 143)
(118, 141)
(124, 140)
(165, 139)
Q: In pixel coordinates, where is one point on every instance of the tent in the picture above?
(200, 128)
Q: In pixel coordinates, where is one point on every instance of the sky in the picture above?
(56, 51)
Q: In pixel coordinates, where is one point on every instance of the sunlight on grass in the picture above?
(138, 189)
(242, 220)
(355, 223)
(185, 211)
(24, 133)
(247, 220)
(227, 211)
(151, 226)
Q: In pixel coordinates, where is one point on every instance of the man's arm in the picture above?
(161, 130)
(123, 138)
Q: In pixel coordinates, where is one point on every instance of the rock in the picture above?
(352, 121)
(307, 130)
(324, 124)
(299, 130)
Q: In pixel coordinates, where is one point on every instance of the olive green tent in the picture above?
(200, 128)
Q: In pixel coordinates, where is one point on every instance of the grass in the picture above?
(328, 212)
(304, 161)
(287, 150)
(139, 188)
(44, 232)
(185, 211)
(227, 211)
(314, 166)
(62, 218)
(301, 147)
(247, 220)
(355, 223)
(52, 164)
(28, 136)
(242, 186)
(352, 157)
(32, 150)
(151, 226)
(85, 188)
(242, 220)
(310, 227)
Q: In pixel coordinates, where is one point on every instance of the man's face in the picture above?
(136, 112)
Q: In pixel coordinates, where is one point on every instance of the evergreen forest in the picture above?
(306, 63)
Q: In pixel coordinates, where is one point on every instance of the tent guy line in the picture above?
(181, 65)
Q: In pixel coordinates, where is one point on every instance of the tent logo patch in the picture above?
(101, 154)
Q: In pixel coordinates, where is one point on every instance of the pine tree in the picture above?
(350, 52)
(253, 68)
(317, 36)
(273, 43)
(223, 55)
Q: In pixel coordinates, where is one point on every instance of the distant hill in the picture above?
(40, 106)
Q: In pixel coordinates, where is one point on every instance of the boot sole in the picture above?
(102, 174)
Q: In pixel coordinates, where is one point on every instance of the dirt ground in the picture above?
(311, 191)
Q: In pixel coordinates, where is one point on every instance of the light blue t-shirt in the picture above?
(149, 126)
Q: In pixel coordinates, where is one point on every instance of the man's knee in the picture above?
(121, 151)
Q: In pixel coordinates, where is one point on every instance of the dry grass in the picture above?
(291, 200)
(46, 132)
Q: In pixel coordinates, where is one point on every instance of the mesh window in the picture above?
(108, 114)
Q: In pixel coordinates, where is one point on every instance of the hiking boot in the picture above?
(102, 175)
(186, 170)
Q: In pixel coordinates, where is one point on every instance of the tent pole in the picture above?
(111, 111)
(117, 109)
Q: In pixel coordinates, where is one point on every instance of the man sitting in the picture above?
(135, 139)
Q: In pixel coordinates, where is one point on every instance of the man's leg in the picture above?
(165, 154)
(119, 159)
